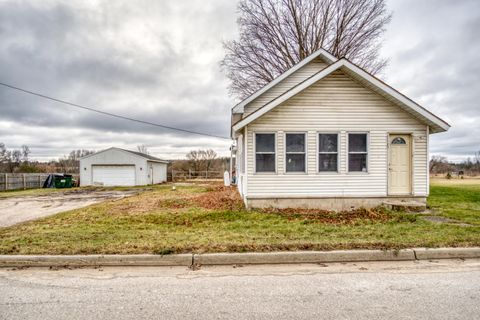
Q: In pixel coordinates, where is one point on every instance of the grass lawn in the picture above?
(209, 218)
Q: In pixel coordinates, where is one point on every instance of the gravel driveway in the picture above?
(14, 210)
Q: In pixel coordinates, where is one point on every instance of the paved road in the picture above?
(14, 210)
(405, 290)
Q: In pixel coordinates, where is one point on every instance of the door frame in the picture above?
(411, 168)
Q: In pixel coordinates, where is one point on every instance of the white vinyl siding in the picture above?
(303, 73)
(159, 171)
(337, 104)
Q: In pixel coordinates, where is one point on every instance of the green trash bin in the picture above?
(62, 181)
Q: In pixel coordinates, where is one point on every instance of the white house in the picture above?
(120, 167)
(327, 134)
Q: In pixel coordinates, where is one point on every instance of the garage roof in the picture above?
(140, 154)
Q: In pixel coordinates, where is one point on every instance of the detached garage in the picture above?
(120, 167)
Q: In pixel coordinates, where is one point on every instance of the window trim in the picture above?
(255, 152)
(366, 152)
(318, 133)
(285, 152)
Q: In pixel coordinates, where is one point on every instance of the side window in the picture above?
(357, 152)
(328, 152)
(265, 152)
(295, 152)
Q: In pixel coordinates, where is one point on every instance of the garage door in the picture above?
(113, 175)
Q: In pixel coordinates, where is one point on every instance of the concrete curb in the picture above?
(189, 260)
(96, 260)
(446, 253)
(303, 257)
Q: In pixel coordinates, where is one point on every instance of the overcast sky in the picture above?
(159, 61)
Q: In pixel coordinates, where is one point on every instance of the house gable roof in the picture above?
(138, 154)
(436, 124)
(322, 53)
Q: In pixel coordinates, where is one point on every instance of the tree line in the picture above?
(198, 161)
(18, 161)
(441, 165)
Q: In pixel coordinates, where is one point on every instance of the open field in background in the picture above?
(456, 199)
(206, 217)
(454, 181)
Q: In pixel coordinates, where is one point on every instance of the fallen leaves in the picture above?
(220, 198)
(330, 217)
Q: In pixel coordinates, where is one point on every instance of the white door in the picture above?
(112, 175)
(399, 167)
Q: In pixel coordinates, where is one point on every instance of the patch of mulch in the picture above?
(220, 198)
(323, 216)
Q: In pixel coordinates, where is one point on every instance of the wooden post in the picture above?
(231, 162)
(206, 174)
(39, 181)
(6, 181)
(24, 182)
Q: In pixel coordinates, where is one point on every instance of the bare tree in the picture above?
(25, 153)
(477, 160)
(201, 159)
(3, 152)
(195, 159)
(143, 149)
(209, 157)
(277, 34)
(71, 163)
(440, 164)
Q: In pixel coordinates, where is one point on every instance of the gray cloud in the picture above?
(433, 47)
(159, 61)
(143, 60)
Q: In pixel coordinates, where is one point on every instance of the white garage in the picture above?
(120, 167)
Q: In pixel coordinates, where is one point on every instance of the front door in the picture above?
(399, 167)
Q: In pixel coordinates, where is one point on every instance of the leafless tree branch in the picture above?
(277, 34)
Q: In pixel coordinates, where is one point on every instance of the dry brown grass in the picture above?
(379, 214)
(220, 198)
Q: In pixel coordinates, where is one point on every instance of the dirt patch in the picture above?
(220, 198)
(323, 216)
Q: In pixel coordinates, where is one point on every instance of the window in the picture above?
(265, 152)
(399, 140)
(357, 152)
(295, 152)
(327, 152)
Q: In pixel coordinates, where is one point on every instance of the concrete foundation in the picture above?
(332, 204)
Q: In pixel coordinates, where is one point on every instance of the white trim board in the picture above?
(239, 108)
(436, 124)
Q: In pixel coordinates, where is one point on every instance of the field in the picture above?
(210, 218)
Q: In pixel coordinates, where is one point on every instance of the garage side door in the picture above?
(113, 175)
